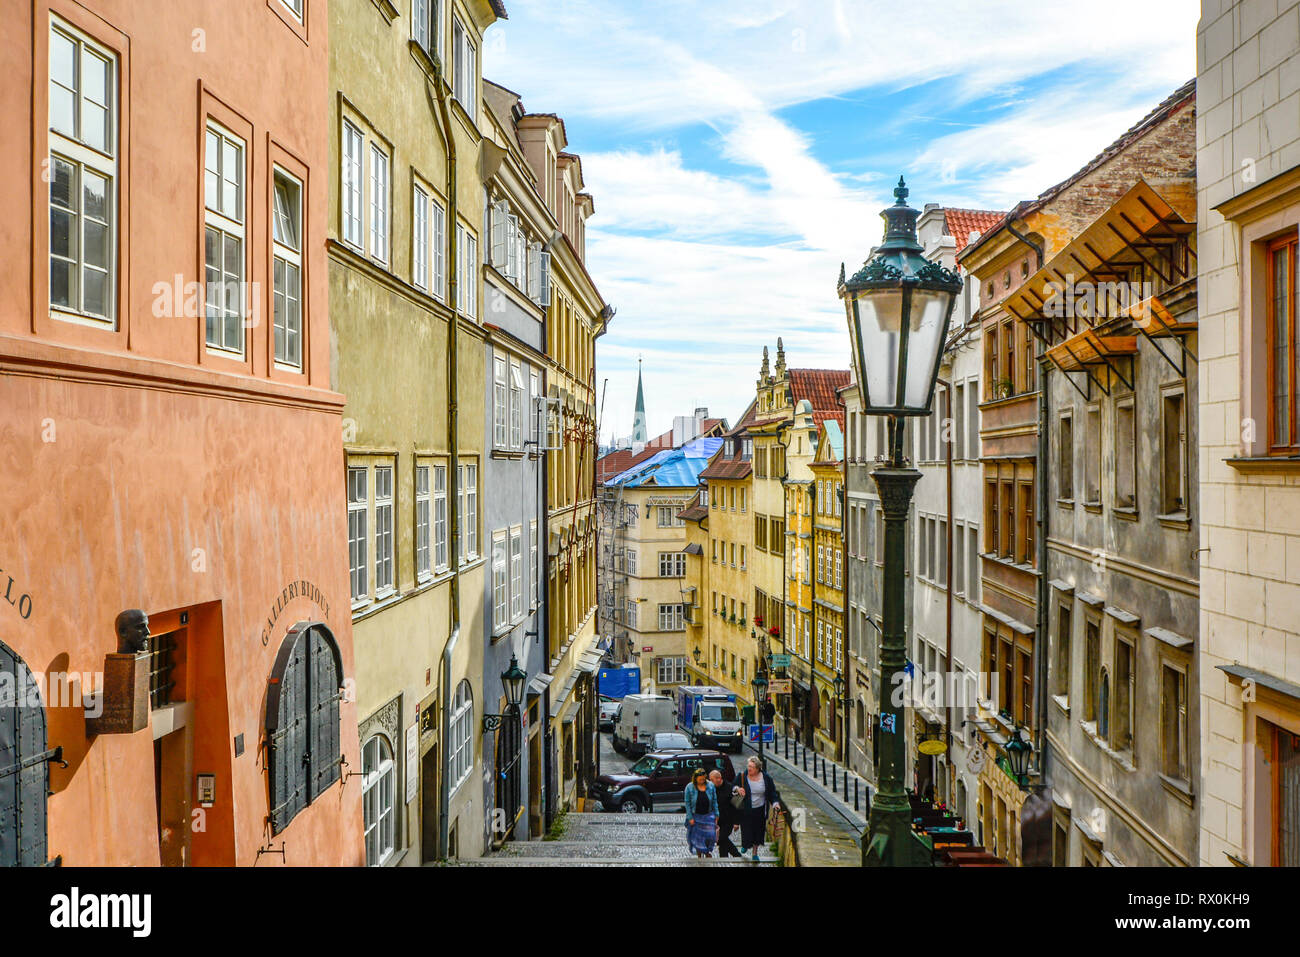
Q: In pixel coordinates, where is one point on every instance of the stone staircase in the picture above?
(612, 840)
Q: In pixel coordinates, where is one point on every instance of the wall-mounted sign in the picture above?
(932, 747)
(780, 661)
(887, 723)
(647, 647)
(780, 686)
(412, 762)
(298, 589)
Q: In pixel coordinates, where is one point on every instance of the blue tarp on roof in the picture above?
(673, 468)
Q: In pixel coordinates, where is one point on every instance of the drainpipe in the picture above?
(1040, 480)
(947, 709)
(785, 557)
(548, 769)
(453, 449)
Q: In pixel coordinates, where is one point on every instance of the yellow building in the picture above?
(827, 507)
(783, 448)
(726, 637)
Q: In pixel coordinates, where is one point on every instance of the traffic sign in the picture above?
(769, 734)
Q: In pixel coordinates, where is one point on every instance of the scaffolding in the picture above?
(614, 517)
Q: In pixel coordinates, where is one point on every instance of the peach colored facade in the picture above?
(143, 468)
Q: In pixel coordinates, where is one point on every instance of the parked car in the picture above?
(607, 708)
(657, 780)
(669, 741)
(639, 718)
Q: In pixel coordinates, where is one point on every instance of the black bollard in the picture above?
(855, 794)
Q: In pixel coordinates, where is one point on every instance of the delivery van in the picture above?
(639, 718)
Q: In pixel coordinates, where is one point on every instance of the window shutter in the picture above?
(24, 770)
(324, 719)
(489, 256)
(545, 297)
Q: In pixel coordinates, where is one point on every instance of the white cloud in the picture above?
(707, 265)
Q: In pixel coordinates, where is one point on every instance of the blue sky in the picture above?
(738, 152)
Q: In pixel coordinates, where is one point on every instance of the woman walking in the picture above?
(701, 800)
(760, 797)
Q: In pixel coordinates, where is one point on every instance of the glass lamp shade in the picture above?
(1018, 751)
(760, 684)
(898, 306)
(513, 678)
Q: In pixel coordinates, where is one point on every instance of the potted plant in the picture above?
(1005, 387)
(758, 620)
(774, 631)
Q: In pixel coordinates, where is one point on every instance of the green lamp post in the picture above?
(898, 306)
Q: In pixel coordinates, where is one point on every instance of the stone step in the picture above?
(498, 861)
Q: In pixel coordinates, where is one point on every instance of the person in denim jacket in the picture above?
(701, 801)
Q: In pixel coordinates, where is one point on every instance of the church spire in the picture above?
(638, 416)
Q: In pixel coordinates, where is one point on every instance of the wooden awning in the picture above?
(1151, 316)
(1088, 347)
(1139, 229)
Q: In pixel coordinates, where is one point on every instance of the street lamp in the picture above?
(898, 306)
(698, 654)
(760, 698)
(512, 679)
(1019, 751)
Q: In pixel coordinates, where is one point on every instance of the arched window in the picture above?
(24, 767)
(302, 720)
(462, 735)
(379, 798)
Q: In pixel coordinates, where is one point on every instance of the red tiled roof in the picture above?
(960, 223)
(820, 417)
(607, 466)
(693, 514)
(820, 387)
(727, 469)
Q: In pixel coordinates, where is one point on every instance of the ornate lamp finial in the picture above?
(900, 192)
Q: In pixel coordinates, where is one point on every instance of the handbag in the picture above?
(738, 800)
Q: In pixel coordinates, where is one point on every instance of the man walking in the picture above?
(728, 817)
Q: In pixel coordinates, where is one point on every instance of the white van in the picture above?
(639, 718)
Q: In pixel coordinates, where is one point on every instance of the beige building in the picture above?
(407, 339)
(576, 317)
(1248, 216)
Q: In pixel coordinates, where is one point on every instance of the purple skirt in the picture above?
(702, 835)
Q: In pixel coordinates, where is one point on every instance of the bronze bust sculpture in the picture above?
(132, 628)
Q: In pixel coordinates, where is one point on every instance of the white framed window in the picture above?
(461, 758)
(223, 242)
(358, 511)
(500, 585)
(839, 648)
(420, 235)
(465, 69)
(534, 569)
(379, 799)
(500, 213)
(516, 573)
(630, 562)
(534, 270)
(819, 641)
(383, 529)
(286, 268)
(467, 291)
(353, 189)
(672, 564)
(671, 671)
(516, 405)
(295, 7)
(440, 561)
(512, 248)
(500, 403)
(670, 617)
(378, 203)
(534, 392)
(83, 175)
(467, 492)
(629, 613)
(667, 517)
(438, 244)
(423, 519)
(426, 25)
